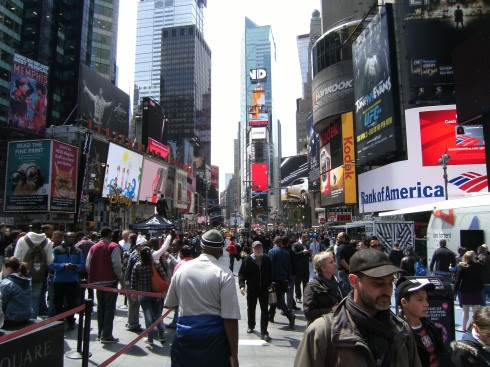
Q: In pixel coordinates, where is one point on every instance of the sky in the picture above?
(224, 22)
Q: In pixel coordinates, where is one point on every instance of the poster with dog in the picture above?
(28, 176)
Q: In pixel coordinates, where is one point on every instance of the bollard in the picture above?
(89, 303)
(78, 353)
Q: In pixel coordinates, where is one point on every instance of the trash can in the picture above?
(441, 306)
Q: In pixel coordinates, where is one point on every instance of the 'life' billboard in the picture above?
(28, 95)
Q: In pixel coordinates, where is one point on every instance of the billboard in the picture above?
(122, 173)
(260, 177)
(96, 166)
(375, 90)
(180, 189)
(28, 176)
(294, 178)
(258, 133)
(439, 130)
(312, 155)
(349, 157)
(28, 95)
(154, 127)
(258, 112)
(102, 102)
(433, 30)
(259, 200)
(170, 186)
(333, 91)
(423, 184)
(64, 170)
(153, 180)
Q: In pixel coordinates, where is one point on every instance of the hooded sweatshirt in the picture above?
(16, 292)
(36, 238)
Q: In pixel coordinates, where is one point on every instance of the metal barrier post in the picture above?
(78, 353)
(89, 303)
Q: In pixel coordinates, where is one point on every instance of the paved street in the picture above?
(253, 351)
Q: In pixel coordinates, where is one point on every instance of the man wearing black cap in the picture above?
(205, 293)
(411, 296)
(256, 272)
(362, 331)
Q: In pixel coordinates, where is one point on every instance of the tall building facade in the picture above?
(258, 54)
(334, 11)
(153, 15)
(61, 34)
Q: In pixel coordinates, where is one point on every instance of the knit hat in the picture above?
(212, 239)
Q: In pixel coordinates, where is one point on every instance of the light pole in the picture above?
(443, 162)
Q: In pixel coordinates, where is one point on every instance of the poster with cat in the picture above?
(64, 168)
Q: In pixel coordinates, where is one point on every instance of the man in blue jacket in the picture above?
(68, 263)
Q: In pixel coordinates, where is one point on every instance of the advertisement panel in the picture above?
(64, 170)
(374, 90)
(260, 177)
(102, 102)
(339, 214)
(258, 133)
(313, 156)
(153, 180)
(432, 32)
(96, 166)
(325, 168)
(333, 91)
(439, 130)
(410, 182)
(180, 189)
(335, 189)
(349, 155)
(258, 112)
(170, 186)
(154, 127)
(28, 176)
(294, 178)
(122, 173)
(212, 174)
(28, 91)
(259, 200)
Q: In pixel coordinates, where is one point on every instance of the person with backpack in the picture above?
(37, 251)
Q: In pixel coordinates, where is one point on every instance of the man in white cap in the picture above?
(205, 293)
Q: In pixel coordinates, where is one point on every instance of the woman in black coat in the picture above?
(322, 294)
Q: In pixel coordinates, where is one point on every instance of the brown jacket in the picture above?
(334, 340)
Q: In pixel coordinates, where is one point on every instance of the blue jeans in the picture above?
(51, 310)
(35, 297)
(152, 310)
(344, 282)
(106, 307)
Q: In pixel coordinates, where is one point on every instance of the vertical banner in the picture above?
(181, 189)
(64, 169)
(28, 176)
(153, 180)
(260, 177)
(170, 186)
(28, 91)
(349, 154)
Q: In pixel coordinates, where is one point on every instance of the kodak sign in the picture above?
(350, 187)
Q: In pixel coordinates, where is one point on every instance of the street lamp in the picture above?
(443, 162)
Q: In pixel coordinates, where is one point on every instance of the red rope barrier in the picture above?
(124, 291)
(137, 339)
(37, 325)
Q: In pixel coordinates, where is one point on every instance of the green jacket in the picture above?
(334, 340)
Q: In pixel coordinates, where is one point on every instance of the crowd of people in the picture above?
(346, 302)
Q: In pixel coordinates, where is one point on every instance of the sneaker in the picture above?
(250, 331)
(109, 340)
(266, 337)
(291, 321)
(98, 335)
(295, 308)
(171, 326)
(148, 341)
(298, 300)
(162, 340)
(135, 329)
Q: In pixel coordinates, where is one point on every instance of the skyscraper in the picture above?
(153, 15)
(334, 11)
(258, 57)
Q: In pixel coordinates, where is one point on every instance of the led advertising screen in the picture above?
(325, 169)
(259, 200)
(180, 189)
(96, 166)
(153, 180)
(294, 178)
(122, 173)
(439, 130)
(313, 156)
(260, 177)
(154, 127)
(28, 95)
(103, 102)
(335, 188)
(64, 170)
(374, 90)
(28, 176)
(170, 186)
(258, 133)
(432, 32)
(258, 116)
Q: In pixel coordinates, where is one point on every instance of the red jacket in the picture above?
(232, 250)
(101, 263)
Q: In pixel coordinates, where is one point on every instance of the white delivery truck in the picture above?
(461, 222)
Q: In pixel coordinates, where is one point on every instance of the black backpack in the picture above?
(36, 260)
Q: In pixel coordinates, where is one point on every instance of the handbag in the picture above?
(158, 285)
(272, 296)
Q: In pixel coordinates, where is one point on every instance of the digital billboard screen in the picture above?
(155, 127)
(439, 130)
(64, 171)
(28, 95)
(180, 189)
(122, 173)
(170, 186)
(153, 180)
(258, 116)
(294, 178)
(375, 90)
(96, 166)
(260, 177)
(313, 157)
(103, 102)
(259, 200)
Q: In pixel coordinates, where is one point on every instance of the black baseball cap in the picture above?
(373, 263)
(405, 286)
